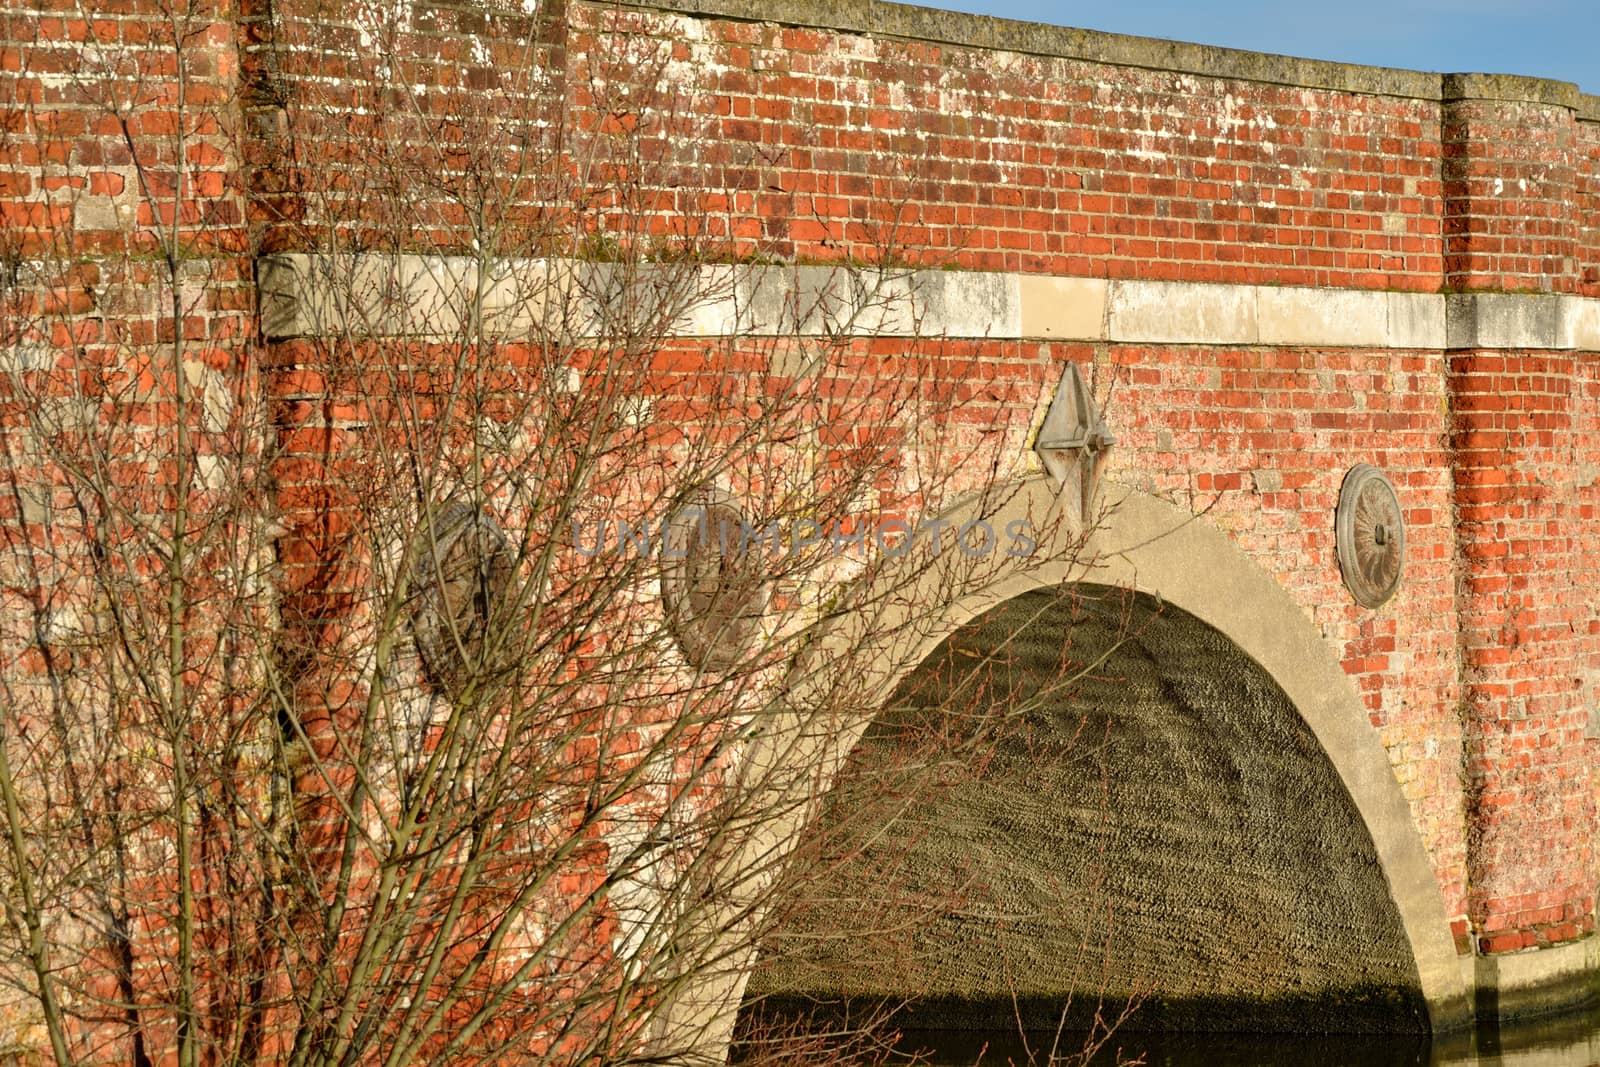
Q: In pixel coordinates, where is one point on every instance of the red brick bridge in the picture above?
(1269, 271)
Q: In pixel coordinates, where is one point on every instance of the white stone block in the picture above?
(1416, 320)
(970, 304)
(1182, 313)
(1331, 317)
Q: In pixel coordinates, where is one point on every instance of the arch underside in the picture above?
(1164, 825)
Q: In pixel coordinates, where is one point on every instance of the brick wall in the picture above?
(1509, 216)
(301, 127)
(363, 120)
(1586, 180)
(1524, 642)
(1001, 160)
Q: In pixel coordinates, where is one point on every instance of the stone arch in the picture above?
(1141, 544)
(1150, 818)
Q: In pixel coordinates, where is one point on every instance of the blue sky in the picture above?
(1546, 38)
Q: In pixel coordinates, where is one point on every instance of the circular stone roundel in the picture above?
(712, 586)
(1369, 536)
(458, 590)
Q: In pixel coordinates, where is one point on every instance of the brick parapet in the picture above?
(1510, 174)
(1396, 220)
(1586, 202)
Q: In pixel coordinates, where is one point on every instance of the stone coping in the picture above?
(430, 297)
(1511, 87)
(880, 18)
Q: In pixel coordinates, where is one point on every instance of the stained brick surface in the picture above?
(1509, 215)
(1587, 182)
(1003, 161)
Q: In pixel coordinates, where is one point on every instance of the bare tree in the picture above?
(439, 666)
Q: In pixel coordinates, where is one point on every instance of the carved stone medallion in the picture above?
(459, 584)
(713, 583)
(1369, 536)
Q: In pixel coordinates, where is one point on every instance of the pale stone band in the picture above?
(426, 296)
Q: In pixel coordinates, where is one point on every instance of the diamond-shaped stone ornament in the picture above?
(1073, 442)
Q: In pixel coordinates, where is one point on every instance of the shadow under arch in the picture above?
(1145, 545)
(1135, 814)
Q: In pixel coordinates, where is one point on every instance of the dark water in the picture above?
(1564, 1041)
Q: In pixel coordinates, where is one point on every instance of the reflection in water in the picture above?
(1560, 1041)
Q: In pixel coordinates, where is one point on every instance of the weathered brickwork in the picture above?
(348, 106)
(1508, 195)
(1262, 438)
(1524, 632)
(1584, 504)
(133, 168)
(1587, 182)
(1018, 162)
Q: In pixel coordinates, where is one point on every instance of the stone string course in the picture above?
(302, 297)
